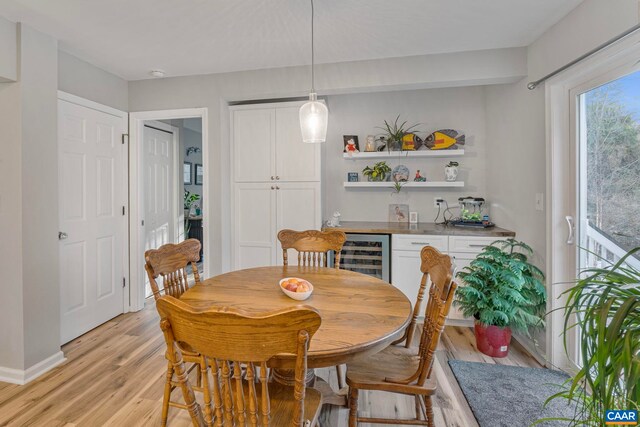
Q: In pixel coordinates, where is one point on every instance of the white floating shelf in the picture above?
(408, 184)
(400, 154)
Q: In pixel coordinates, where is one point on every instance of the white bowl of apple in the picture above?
(296, 288)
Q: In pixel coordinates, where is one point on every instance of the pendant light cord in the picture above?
(313, 86)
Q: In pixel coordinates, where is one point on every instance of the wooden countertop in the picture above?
(370, 227)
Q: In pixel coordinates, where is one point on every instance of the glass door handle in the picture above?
(571, 235)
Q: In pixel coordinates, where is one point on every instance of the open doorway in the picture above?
(168, 181)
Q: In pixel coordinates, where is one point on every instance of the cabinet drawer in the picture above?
(413, 242)
(469, 244)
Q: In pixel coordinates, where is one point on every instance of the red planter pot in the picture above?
(492, 340)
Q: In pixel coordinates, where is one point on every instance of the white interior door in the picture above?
(159, 187)
(93, 239)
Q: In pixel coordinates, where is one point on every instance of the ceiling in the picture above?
(184, 37)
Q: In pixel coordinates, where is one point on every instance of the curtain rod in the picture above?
(533, 85)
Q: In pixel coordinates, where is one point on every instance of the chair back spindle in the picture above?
(170, 262)
(437, 267)
(228, 339)
(313, 246)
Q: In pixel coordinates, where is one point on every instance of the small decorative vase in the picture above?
(450, 173)
(492, 340)
(378, 178)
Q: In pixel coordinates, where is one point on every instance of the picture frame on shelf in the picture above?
(199, 174)
(413, 217)
(399, 213)
(351, 144)
(353, 177)
(187, 173)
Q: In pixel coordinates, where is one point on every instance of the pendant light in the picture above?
(313, 114)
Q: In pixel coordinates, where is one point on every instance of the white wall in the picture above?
(80, 78)
(29, 309)
(215, 91)
(462, 109)
(8, 51)
(11, 337)
(191, 138)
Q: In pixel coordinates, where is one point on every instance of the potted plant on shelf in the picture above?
(378, 172)
(604, 305)
(393, 134)
(502, 291)
(189, 199)
(451, 171)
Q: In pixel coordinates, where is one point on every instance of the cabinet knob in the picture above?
(273, 188)
(277, 177)
(277, 188)
(272, 178)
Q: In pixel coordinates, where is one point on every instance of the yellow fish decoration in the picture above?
(411, 142)
(443, 139)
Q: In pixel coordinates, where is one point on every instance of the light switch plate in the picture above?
(540, 201)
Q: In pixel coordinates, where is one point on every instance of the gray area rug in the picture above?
(510, 395)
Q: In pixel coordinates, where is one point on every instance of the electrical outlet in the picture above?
(437, 201)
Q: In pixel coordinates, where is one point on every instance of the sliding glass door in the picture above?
(606, 152)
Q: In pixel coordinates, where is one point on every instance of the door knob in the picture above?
(62, 235)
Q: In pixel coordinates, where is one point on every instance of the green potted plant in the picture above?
(189, 199)
(502, 291)
(378, 172)
(393, 133)
(604, 305)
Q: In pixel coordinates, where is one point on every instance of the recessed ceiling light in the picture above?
(156, 73)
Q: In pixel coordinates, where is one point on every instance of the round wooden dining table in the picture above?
(361, 315)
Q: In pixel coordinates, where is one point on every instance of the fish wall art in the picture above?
(444, 139)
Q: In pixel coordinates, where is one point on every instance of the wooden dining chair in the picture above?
(313, 246)
(429, 257)
(228, 339)
(170, 262)
(405, 370)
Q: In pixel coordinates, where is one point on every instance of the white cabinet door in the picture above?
(405, 272)
(254, 145)
(255, 225)
(295, 160)
(93, 170)
(460, 260)
(298, 207)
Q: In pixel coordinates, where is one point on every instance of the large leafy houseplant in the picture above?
(604, 305)
(501, 289)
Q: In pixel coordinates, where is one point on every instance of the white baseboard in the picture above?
(23, 376)
(459, 322)
(531, 349)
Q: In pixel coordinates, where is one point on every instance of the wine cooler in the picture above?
(367, 254)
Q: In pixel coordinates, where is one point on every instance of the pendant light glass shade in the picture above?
(313, 120)
(313, 114)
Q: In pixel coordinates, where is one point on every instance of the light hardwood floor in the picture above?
(114, 376)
